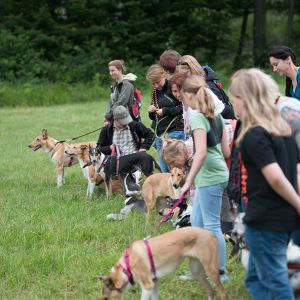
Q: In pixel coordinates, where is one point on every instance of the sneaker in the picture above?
(187, 276)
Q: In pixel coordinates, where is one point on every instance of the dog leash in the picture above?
(180, 199)
(77, 137)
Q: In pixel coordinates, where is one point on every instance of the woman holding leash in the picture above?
(122, 91)
(270, 156)
(165, 111)
(208, 172)
(283, 61)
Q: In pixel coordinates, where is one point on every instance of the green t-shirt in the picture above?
(214, 169)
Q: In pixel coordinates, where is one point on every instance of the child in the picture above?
(270, 156)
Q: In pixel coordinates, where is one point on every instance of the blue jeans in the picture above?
(267, 275)
(178, 135)
(206, 213)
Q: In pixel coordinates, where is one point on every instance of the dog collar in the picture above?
(53, 149)
(86, 165)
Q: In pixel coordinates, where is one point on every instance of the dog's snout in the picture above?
(175, 186)
(29, 146)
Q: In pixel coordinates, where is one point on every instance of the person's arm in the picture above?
(172, 111)
(224, 144)
(298, 178)
(146, 135)
(200, 140)
(280, 184)
(103, 142)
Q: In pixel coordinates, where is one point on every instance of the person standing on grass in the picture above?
(271, 158)
(122, 91)
(209, 170)
(283, 61)
(165, 111)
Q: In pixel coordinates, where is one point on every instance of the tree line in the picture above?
(72, 40)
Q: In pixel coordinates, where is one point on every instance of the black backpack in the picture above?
(234, 182)
(216, 87)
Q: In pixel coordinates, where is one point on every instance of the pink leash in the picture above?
(180, 199)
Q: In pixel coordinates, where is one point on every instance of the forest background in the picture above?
(57, 51)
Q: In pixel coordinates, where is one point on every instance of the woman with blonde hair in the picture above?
(189, 65)
(165, 110)
(122, 91)
(270, 156)
(208, 172)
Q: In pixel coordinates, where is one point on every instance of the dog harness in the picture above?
(127, 269)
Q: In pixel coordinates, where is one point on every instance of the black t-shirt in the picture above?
(266, 209)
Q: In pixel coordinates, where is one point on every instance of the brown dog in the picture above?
(57, 153)
(146, 264)
(162, 185)
(89, 172)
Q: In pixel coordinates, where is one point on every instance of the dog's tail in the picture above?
(156, 165)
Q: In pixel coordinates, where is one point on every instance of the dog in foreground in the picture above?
(146, 261)
(57, 153)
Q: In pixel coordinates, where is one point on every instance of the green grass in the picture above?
(54, 242)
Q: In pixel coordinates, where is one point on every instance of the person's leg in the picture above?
(196, 216)
(211, 202)
(267, 276)
(158, 146)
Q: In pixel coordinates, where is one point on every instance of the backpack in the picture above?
(216, 87)
(136, 105)
(237, 183)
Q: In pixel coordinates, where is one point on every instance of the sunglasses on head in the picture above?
(182, 63)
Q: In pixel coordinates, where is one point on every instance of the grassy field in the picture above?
(55, 242)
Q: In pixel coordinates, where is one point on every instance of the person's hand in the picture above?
(186, 187)
(152, 109)
(187, 129)
(159, 112)
(142, 150)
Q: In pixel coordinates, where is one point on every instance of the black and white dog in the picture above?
(133, 201)
(113, 166)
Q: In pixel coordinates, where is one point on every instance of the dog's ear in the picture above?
(82, 147)
(105, 279)
(116, 277)
(45, 134)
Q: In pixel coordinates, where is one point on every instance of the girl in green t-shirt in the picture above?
(209, 170)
